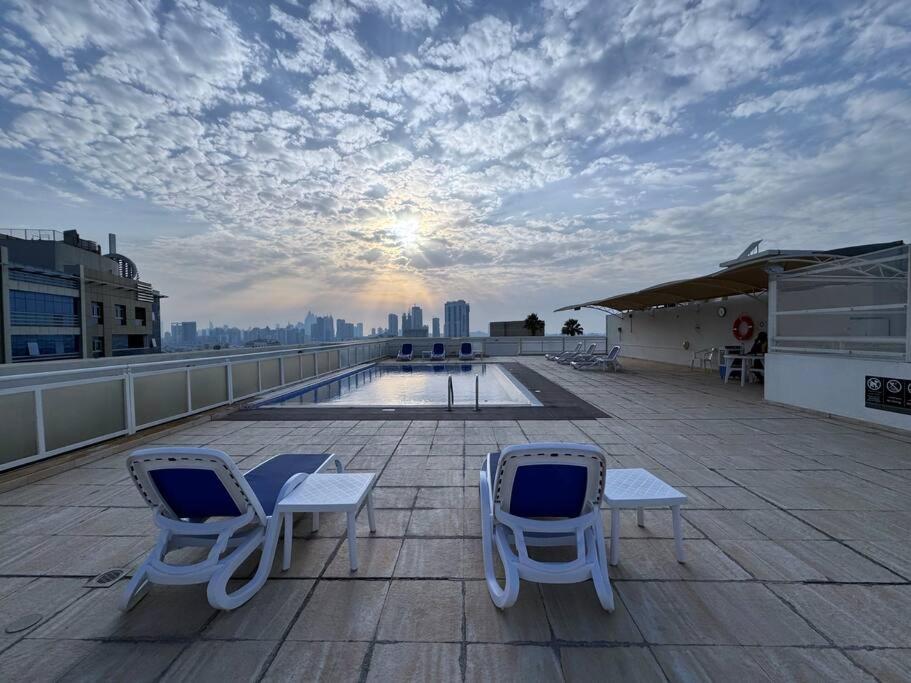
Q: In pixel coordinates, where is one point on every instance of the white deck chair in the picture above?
(466, 352)
(558, 356)
(581, 355)
(609, 362)
(200, 498)
(407, 352)
(438, 352)
(544, 494)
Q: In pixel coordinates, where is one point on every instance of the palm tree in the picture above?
(571, 327)
(534, 324)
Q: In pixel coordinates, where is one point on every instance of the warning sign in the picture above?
(888, 393)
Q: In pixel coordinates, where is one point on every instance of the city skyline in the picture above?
(356, 155)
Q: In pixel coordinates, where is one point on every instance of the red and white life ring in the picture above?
(743, 327)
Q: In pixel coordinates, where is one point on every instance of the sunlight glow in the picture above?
(407, 231)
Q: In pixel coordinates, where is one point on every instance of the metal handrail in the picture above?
(477, 384)
(450, 394)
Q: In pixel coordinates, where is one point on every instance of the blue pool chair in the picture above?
(544, 494)
(407, 352)
(438, 352)
(465, 351)
(200, 498)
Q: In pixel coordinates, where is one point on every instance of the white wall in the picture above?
(660, 334)
(831, 384)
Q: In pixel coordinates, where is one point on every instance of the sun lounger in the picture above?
(544, 494)
(578, 355)
(558, 356)
(407, 352)
(465, 351)
(609, 362)
(200, 498)
(438, 352)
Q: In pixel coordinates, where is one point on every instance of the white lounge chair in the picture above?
(465, 351)
(558, 356)
(407, 352)
(578, 355)
(704, 358)
(438, 352)
(544, 494)
(200, 498)
(609, 362)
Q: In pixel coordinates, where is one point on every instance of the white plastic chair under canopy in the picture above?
(200, 498)
(544, 494)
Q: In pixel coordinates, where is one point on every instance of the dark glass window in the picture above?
(98, 346)
(120, 312)
(39, 302)
(140, 315)
(28, 346)
(98, 311)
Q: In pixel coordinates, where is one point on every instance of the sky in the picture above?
(260, 160)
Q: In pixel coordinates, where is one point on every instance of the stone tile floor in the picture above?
(797, 535)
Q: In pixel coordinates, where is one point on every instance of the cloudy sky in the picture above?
(258, 160)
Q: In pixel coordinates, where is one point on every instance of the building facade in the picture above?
(436, 327)
(456, 314)
(61, 298)
(393, 326)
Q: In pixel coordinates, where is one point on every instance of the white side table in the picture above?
(639, 489)
(329, 493)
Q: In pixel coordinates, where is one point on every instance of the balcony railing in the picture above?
(44, 319)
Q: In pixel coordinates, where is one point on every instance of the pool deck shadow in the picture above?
(557, 404)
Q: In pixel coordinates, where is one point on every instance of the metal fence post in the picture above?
(230, 381)
(39, 422)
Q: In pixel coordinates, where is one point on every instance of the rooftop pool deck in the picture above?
(797, 534)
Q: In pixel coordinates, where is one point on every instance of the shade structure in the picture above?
(745, 276)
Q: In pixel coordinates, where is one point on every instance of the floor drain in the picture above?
(388, 410)
(105, 579)
(23, 623)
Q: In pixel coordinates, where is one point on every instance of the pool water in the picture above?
(410, 384)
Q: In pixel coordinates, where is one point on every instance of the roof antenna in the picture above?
(751, 250)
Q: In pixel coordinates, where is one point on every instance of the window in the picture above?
(97, 346)
(140, 316)
(39, 308)
(98, 312)
(126, 344)
(44, 346)
(120, 313)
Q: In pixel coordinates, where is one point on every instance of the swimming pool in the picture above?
(411, 384)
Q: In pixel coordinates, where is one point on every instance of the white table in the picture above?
(639, 489)
(746, 365)
(329, 493)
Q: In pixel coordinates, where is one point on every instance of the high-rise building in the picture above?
(456, 313)
(61, 298)
(417, 317)
(359, 330)
(393, 328)
(436, 327)
(323, 329)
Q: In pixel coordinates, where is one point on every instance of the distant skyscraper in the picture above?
(436, 327)
(393, 329)
(417, 317)
(359, 330)
(457, 318)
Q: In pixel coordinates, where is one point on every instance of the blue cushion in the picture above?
(548, 491)
(437, 349)
(466, 347)
(406, 349)
(267, 479)
(194, 494)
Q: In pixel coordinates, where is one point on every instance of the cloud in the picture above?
(586, 137)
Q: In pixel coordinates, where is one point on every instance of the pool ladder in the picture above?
(450, 394)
